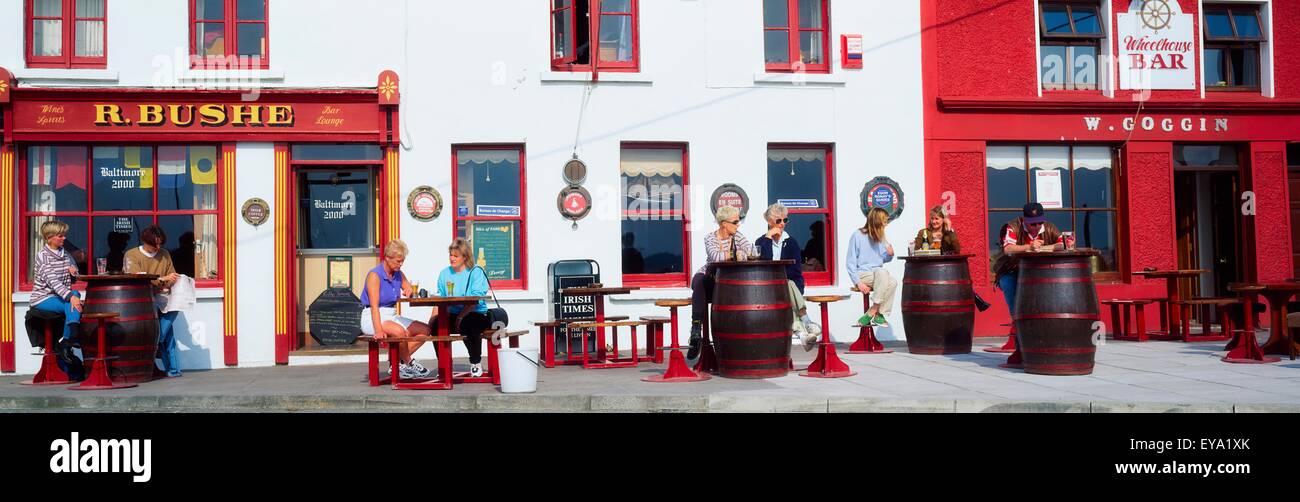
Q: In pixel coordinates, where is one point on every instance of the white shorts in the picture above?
(386, 314)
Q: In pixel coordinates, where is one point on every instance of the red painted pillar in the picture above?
(1271, 223)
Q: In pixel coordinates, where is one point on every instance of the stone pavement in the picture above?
(1129, 377)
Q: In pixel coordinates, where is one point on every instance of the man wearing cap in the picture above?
(1030, 232)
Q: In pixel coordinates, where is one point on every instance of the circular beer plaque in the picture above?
(574, 203)
(255, 211)
(575, 172)
(730, 194)
(424, 203)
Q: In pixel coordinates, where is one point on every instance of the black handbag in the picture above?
(498, 318)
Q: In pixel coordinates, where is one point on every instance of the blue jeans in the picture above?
(171, 358)
(1007, 284)
(59, 305)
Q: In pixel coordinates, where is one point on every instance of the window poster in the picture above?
(1047, 185)
(494, 248)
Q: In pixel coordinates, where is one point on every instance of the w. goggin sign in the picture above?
(1157, 46)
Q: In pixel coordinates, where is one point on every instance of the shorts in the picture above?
(386, 314)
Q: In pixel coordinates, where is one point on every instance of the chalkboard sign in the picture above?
(494, 248)
(335, 317)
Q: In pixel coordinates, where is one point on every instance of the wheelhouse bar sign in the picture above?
(1157, 46)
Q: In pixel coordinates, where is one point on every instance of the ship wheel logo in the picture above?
(1157, 14)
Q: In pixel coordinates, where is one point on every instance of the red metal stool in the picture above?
(866, 342)
(1123, 330)
(1014, 361)
(98, 378)
(50, 372)
(1006, 348)
(827, 364)
(677, 370)
(654, 344)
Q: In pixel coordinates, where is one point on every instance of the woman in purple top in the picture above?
(55, 272)
(385, 284)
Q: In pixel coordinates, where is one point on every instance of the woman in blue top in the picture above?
(868, 254)
(466, 281)
(385, 284)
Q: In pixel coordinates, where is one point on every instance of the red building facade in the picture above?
(1157, 130)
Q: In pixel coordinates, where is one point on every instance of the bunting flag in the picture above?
(40, 167)
(131, 160)
(172, 164)
(71, 161)
(203, 166)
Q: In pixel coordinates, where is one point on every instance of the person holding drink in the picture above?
(776, 244)
(940, 235)
(54, 274)
(868, 254)
(459, 279)
(385, 284)
(725, 244)
(1030, 232)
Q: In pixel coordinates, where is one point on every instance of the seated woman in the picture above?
(868, 253)
(151, 258)
(52, 291)
(725, 244)
(470, 322)
(777, 243)
(385, 284)
(938, 234)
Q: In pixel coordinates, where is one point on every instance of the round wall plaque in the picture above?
(424, 203)
(884, 193)
(255, 211)
(575, 172)
(730, 194)
(574, 203)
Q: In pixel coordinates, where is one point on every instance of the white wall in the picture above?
(478, 72)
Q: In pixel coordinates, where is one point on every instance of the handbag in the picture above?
(498, 318)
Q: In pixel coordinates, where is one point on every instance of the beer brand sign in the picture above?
(1157, 46)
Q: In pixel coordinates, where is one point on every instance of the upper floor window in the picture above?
(612, 24)
(796, 35)
(1233, 35)
(66, 33)
(1071, 35)
(229, 34)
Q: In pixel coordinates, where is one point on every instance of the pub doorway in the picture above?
(336, 229)
(1208, 183)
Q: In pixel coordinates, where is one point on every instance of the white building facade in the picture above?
(363, 103)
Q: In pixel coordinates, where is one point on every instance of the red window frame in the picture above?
(230, 22)
(682, 279)
(522, 282)
(827, 277)
(568, 62)
(69, 58)
(793, 31)
(25, 214)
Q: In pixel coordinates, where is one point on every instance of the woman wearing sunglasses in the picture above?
(725, 244)
(776, 244)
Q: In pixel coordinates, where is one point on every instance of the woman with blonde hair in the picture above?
(385, 284)
(54, 274)
(869, 251)
(724, 244)
(470, 322)
(938, 234)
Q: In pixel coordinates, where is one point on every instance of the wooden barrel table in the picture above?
(1056, 309)
(938, 304)
(751, 318)
(133, 335)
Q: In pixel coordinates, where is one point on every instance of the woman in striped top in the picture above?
(55, 273)
(726, 244)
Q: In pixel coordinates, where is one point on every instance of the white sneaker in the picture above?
(406, 372)
(418, 368)
(38, 351)
(809, 341)
(813, 328)
(476, 370)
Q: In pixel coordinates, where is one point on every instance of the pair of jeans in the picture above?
(1007, 284)
(171, 357)
(701, 296)
(471, 329)
(70, 315)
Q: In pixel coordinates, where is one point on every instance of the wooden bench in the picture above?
(1123, 331)
(549, 329)
(443, 349)
(602, 360)
(1207, 305)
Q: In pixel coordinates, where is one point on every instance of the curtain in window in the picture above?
(783, 155)
(47, 37)
(90, 33)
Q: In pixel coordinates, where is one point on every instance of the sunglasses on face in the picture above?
(737, 222)
(781, 220)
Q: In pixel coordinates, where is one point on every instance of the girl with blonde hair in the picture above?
(869, 251)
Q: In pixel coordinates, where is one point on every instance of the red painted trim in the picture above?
(1062, 350)
(750, 308)
(230, 37)
(1050, 266)
(150, 317)
(671, 280)
(112, 301)
(827, 277)
(522, 282)
(793, 32)
(69, 58)
(594, 64)
(925, 282)
(923, 310)
(962, 303)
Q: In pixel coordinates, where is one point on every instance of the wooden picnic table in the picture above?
(1172, 294)
(599, 293)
